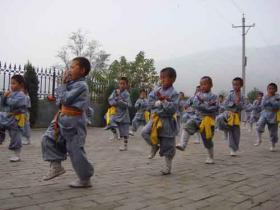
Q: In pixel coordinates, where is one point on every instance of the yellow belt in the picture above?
(111, 111)
(278, 116)
(206, 126)
(21, 119)
(147, 116)
(233, 119)
(157, 124)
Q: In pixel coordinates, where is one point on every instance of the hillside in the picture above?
(224, 64)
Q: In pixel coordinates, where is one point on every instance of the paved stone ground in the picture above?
(128, 180)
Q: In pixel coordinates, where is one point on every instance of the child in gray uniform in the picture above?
(189, 112)
(221, 104)
(221, 110)
(120, 99)
(256, 110)
(26, 130)
(2, 129)
(230, 119)
(206, 107)
(181, 108)
(13, 119)
(248, 107)
(142, 108)
(67, 132)
(270, 116)
(162, 128)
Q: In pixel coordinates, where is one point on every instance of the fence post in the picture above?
(53, 85)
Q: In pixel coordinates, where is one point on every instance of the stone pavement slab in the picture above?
(128, 180)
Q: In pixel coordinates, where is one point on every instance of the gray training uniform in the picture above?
(190, 112)
(256, 111)
(15, 103)
(206, 107)
(121, 119)
(165, 111)
(139, 119)
(270, 107)
(222, 119)
(72, 130)
(26, 130)
(248, 110)
(181, 110)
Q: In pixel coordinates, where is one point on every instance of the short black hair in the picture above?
(272, 85)
(170, 71)
(182, 93)
(239, 79)
(124, 79)
(20, 79)
(208, 78)
(84, 64)
(221, 96)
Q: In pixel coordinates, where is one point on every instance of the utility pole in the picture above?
(244, 58)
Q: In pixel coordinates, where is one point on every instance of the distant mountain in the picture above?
(263, 66)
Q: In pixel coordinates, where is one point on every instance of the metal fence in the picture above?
(49, 79)
(97, 90)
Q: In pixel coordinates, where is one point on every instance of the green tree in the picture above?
(140, 72)
(32, 86)
(252, 95)
(143, 72)
(118, 69)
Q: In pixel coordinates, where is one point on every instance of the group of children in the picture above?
(165, 113)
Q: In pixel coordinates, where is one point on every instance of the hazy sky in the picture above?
(36, 29)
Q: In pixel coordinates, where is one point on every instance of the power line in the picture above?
(237, 7)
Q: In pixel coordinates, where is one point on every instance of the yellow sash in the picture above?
(21, 119)
(147, 116)
(233, 119)
(157, 124)
(206, 125)
(278, 116)
(111, 111)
